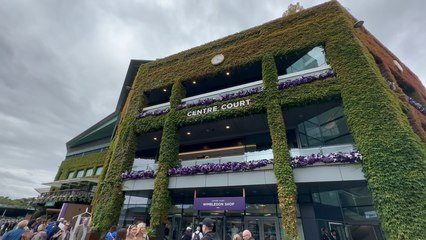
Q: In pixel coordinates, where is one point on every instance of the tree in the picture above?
(292, 9)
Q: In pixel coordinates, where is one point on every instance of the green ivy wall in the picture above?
(394, 156)
(89, 161)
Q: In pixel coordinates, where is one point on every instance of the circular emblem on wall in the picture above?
(218, 59)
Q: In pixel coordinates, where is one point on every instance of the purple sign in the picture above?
(223, 203)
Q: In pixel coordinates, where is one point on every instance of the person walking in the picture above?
(142, 235)
(208, 226)
(81, 230)
(247, 235)
(17, 233)
(63, 234)
(132, 232)
(197, 235)
(187, 235)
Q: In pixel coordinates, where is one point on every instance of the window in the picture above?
(89, 172)
(314, 58)
(325, 129)
(80, 173)
(98, 171)
(70, 175)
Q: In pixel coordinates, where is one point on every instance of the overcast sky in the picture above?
(62, 63)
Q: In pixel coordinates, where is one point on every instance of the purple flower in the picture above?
(295, 162)
(305, 79)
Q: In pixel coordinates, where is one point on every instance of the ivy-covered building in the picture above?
(303, 123)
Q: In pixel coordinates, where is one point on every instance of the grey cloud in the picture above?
(62, 63)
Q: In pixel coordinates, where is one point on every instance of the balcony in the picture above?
(253, 156)
(69, 195)
(234, 92)
(313, 72)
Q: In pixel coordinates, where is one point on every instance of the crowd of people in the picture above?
(206, 233)
(42, 229)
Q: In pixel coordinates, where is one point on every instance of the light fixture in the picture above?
(155, 139)
(188, 133)
(359, 24)
(227, 127)
(227, 73)
(194, 82)
(164, 90)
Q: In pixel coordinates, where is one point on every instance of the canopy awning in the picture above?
(59, 183)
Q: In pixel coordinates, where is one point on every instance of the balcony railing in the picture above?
(232, 92)
(254, 156)
(313, 72)
(69, 195)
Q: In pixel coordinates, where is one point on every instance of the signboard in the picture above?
(223, 203)
(225, 106)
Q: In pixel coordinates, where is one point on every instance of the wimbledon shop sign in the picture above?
(225, 106)
(223, 203)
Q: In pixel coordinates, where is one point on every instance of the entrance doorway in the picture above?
(263, 228)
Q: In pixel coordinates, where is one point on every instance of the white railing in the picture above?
(222, 92)
(141, 164)
(312, 72)
(243, 87)
(343, 148)
(158, 107)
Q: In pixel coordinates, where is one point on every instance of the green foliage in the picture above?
(286, 187)
(169, 150)
(394, 156)
(22, 202)
(85, 162)
(109, 196)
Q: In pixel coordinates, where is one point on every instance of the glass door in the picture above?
(263, 228)
(174, 232)
(270, 229)
(341, 231)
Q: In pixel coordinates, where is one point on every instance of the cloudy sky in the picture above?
(62, 63)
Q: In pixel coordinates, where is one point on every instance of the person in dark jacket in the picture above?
(208, 225)
(187, 235)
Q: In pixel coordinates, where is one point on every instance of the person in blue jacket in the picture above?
(17, 233)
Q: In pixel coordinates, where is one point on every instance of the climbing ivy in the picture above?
(394, 156)
(169, 150)
(85, 162)
(286, 186)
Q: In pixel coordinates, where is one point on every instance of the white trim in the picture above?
(58, 183)
(225, 90)
(162, 105)
(304, 72)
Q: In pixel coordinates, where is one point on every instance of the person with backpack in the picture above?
(197, 235)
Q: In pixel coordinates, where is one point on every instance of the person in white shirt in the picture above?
(197, 235)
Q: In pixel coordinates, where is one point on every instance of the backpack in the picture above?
(196, 236)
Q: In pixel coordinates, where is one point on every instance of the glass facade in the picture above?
(70, 175)
(89, 172)
(314, 58)
(98, 171)
(325, 129)
(80, 173)
(348, 211)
